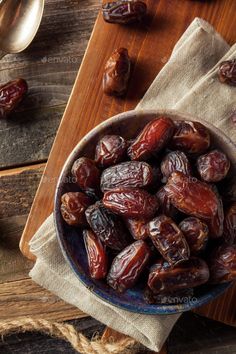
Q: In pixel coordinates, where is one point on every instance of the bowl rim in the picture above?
(160, 309)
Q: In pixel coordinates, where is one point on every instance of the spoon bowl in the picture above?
(19, 22)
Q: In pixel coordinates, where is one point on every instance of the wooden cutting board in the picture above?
(149, 47)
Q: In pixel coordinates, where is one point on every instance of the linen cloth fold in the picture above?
(188, 82)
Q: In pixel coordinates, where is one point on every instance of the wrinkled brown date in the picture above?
(131, 202)
(128, 265)
(222, 264)
(190, 137)
(138, 228)
(131, 174)
(192, 196)
(107, 226)
(168, 239)
(213, 166)
(196, 233)
(86, 174)
(124, 12)
(117, 72)
(96, 253)
(229, 232)
(110, 150)
(11, 94)
(73, 206)
(188, 274)
(154, 136)
(216, 224)
(175, 161)
(227, 72)
(165, 204)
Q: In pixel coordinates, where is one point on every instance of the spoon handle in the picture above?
(2, 54)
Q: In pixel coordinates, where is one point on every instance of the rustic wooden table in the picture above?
(50, 66)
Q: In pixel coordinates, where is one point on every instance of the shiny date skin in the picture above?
(124, 12)
(96, 253)
(116, 73)
(213, 166)
(195, 232)
(190, 137)
(154, 137)
(107, 226)
(169, 240)
(138, 228)
(196, 198)
(227, 72)
(130, 174)
(229, 232)
(222, 264)
(73, 206)
(110, 150)
(189, 274)
(128, 265)
(166, 207)
(86, 174)
(175, 161)
(216, 224)
(131, 203)
(11, 94)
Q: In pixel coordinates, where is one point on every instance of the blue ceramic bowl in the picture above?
(126, 124)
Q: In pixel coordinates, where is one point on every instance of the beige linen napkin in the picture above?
(188, 82)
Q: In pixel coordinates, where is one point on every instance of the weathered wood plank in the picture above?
(25, 298)
(17, 189)
(49, 65)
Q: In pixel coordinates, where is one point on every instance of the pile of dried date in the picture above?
(151, 211)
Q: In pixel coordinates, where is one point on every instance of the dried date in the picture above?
(229, 231)
(227, 72)
(73, 206)
(107, 226)
(117, 72)
(196, 233)
(138, 228)
(110, 150)
(190, 137)
(165, 207)
(86, 174)
(213, 166)
(128, 265)
(154, 136)
(189, 274)
(222, 264)
(131, 174)
(168, 239)
(124, 11)
(131, 202)
(192, 196)
(175, 161)
(11, 94)
(96, 253)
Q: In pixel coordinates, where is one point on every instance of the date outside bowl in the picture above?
(127, 124)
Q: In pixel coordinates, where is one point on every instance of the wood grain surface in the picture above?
(50, 65)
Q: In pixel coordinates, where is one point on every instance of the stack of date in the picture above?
(151, 211)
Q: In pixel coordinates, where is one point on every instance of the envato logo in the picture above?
(68, 179)
(60, 60)
(175, 299)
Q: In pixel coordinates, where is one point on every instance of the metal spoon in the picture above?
(19, 22)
